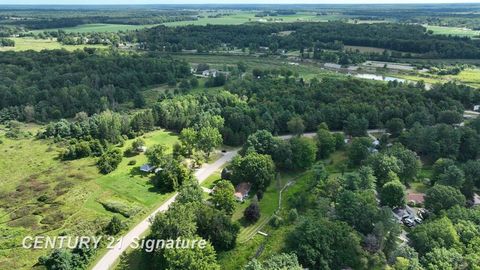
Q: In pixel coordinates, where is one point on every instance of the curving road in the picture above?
(114, 253)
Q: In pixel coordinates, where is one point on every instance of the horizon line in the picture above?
(243, 4)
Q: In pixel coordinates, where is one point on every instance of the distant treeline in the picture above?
(56, 84)
(5, 42)
(49, 19)
(298, 36)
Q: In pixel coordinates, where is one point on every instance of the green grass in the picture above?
(469, 77)
(23, 44)
(212, 179)
(98, 27)
(305, 70)
(30, 168)
(364, 49)
(232, 19)
(264, 246)
(454, 31)
(245, 17)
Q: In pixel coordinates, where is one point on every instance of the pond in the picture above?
(378, 77)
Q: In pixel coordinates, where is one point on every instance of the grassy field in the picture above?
(469, 77)
(454, 31)
(364, 49)
(245, 17)
(232, 19)
(305, 70)
(24, 44)
(43, 195)
(99, 27)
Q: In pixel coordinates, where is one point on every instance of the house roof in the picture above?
(416, 197)
(146, 168)
(242, 189)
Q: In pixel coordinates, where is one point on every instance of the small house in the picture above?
(241, 191)
(210, 73)
(332, 66)
(476, 108)
(147, 168)
(141, 149)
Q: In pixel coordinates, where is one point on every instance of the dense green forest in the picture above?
(65, 17)
(58, 84)
(300, 36)
(342, 104)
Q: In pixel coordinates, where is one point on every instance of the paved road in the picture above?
(113, 254)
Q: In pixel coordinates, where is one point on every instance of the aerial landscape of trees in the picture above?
(399, 37)
(316, 170)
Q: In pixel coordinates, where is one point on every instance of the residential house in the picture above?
(147, 168)
(241, 191)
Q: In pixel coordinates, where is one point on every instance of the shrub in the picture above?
(109, 161)
(292, 215)
(132, 162)
(114, 226)
(252, 212)
(120, 208)
(276, 221)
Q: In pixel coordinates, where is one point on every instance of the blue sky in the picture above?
(133, 2)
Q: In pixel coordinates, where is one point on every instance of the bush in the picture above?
(114, 226)
(132, 162)
(109, 161)
(120, 208)
(276, 221)
(292, 215)
(252, 212)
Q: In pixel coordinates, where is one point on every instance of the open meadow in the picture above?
(470, 77)
(454, 31)
(43, 195)
(99, 27)
(24, 44)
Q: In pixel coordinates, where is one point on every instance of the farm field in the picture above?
(244, 17)
(364, 49)
(24, 44)
(42, 195)
(233, 19)
(98, 27)
(455, 31)
(305, 70)
(469, 77)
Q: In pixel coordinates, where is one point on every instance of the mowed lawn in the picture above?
(43, 195)
(454, 31)
(24, 44)
(470, 77)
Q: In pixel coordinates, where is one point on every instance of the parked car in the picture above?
(418, 220)
(409, 222)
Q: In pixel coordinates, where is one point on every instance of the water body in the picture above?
(378, 77)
